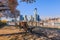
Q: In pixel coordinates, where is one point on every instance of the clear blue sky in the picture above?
(46, 8)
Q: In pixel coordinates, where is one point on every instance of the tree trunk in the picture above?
(15, 20)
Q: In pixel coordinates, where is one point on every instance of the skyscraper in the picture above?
(25, 18)
(21, 18)
(31, 18)
(36, 16)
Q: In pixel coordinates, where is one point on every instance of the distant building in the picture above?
(31, 18)
(21, 18)
(52, 22)
(36, 16)
(25, 18)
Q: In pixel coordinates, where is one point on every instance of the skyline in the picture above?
(46, 8)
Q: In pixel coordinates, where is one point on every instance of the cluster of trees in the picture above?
(12, 4)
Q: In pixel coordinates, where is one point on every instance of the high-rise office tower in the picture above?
(36, 16)
(31, 18)
(21, 18)
(25, 18)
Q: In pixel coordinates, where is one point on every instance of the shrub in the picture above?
(2, 23)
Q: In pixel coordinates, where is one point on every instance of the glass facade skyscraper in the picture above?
(36, 16)
(25, 18)
(21, 18)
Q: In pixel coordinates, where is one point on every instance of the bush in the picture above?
(2, 24)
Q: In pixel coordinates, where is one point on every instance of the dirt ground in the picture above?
(50, 34)
(11, 30)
